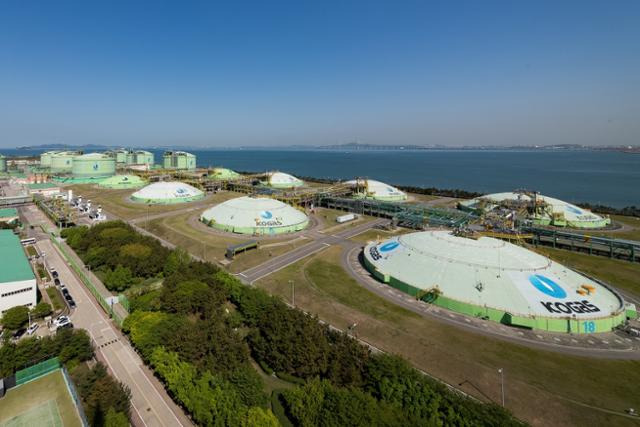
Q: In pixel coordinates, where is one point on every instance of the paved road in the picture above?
(151, 405)
(322, 242)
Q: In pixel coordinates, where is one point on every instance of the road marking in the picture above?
(100, 313)
(287, 264)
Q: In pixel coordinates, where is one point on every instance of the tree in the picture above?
(258, 417)
(15, 317)
(177, 261)
(118, 279)
(116, 419)
(41, 310)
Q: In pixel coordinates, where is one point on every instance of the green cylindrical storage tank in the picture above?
(180, 160)
(3, 163)
(120, 155)
(142, 157)
(45, 159)
(62, 161)
(93, 165)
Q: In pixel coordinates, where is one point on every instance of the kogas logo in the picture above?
(95, 166)
(181, 191)
(389, 246)
(266, 214)
(547, 286)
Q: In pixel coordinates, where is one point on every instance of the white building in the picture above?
(17, 281)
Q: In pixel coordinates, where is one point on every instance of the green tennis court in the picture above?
(42, 402)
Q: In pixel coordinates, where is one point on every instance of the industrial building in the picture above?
(223, 174)
(3, 164)
(93, 165)
(539, 209)
(167, 193)
(255, 216)
(46, 189)
(376, 190)
(17, 281)
(492, 279)
(61, 162)
(180, 160)
(282, 180)
(9, 215)
(122, 182)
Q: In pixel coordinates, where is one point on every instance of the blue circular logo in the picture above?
(389, 246)
(547, 286)
(266, 214)
(181, 191)
(95, 166)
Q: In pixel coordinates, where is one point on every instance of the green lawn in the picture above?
(55, 298)
(184, 230)
(26, 399)
(632, 234)
(621, 274)
(537, 383)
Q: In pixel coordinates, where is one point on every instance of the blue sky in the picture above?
(296, 72)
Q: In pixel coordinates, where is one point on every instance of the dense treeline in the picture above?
(105, 400)
(117, 253)
(202, 328)
(69, 346)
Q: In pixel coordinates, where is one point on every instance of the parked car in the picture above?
(65, 291)
(68, 297)
(54, 273)
(72, 303)
(32, 329)
(60, 320)
(56, 281)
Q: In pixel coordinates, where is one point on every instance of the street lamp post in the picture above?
(501, 371)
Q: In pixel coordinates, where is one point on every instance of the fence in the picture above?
(88, 283)
(37, 370)
(74, 394)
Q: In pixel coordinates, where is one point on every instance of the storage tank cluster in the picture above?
(179, 160)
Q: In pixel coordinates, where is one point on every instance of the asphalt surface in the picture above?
(321, 242)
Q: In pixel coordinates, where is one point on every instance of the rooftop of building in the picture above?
(8, 212)
(15, 266)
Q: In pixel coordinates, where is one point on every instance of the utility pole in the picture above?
(501, 371)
